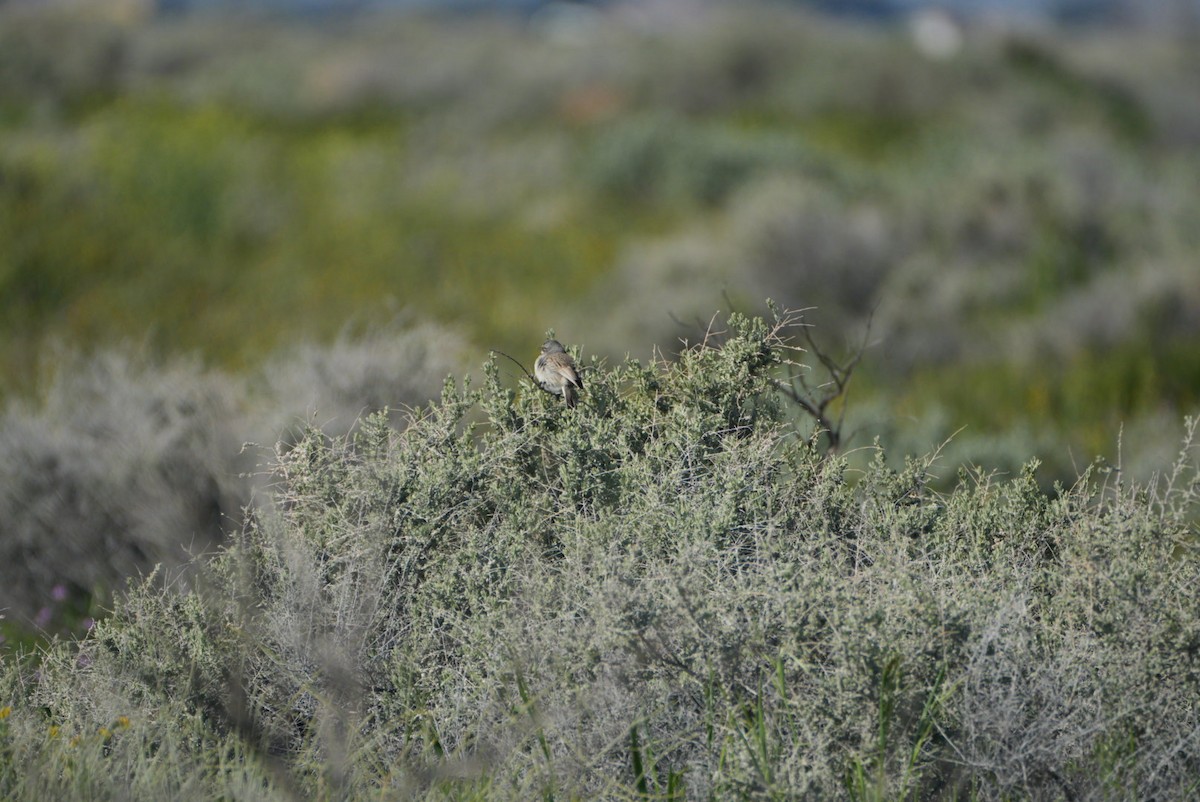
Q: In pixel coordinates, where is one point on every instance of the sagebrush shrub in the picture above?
(122, 462)
(123, 465)
(665, 592)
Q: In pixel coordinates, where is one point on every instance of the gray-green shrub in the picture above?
(122, 462)
(121, 465)
(663, 593)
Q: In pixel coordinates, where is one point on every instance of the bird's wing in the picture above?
(562, 366)
(566, 368)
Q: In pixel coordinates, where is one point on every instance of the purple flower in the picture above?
(88, 623)
(43, 617)
(58, 592)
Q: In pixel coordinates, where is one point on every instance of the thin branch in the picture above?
(815, 401)
(528, 375)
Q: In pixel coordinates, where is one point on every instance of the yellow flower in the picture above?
(123, 722)
(53, 730)
(5, 712)
(105, 732)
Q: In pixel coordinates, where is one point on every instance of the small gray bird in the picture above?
(556, 372)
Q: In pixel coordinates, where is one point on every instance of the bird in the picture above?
(557, 373)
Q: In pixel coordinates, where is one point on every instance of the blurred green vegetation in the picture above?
(1021, 217)
(228, 234)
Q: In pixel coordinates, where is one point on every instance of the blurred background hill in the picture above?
(215, 223)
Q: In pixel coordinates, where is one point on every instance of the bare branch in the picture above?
(528, 375)
(816, 401)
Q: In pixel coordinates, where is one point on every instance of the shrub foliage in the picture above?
(125, 461)
(664, 593)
